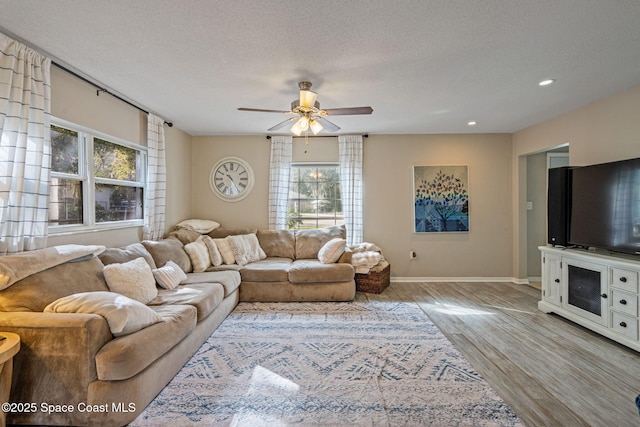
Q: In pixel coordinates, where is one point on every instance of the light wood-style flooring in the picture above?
(550, 371)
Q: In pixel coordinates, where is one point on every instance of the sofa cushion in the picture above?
(245, 248)
(185, 236)
(133, 279)
(205, 297)
(214, 253)
(309, 242)
(331, 251)
(124, 315)
(169, 276)
(126, 254)
(277, 243)
(267, 270)
(198, 254)
(35, 292)
(126, 356)
(168, 250)
(229, 279)
(313, 271)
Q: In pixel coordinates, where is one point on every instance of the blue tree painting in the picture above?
(441, 201)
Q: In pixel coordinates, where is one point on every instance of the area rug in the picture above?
(327, 364)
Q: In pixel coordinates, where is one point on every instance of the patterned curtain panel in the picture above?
(156, 180)
(350, 152)
(25, 147)
(279, 175)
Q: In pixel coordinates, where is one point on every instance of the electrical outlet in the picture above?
(412, 255)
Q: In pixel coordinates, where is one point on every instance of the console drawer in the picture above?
(624, 325)
(624, 279)
(625, 302)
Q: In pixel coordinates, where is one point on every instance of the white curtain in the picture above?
(25, 147)
(350, 154)
(156, 180)
(279, 173)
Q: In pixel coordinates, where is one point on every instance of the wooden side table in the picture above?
(9, 346)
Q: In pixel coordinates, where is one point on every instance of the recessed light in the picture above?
(546, 82)
(472, 123)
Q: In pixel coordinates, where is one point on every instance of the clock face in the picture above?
(231, 179)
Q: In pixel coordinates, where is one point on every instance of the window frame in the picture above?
(337, 219)
(88, 180)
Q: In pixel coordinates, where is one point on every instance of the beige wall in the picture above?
(76, 101)
(388, 199)
(604, 131)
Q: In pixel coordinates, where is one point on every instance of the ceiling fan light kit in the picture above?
(308, 114)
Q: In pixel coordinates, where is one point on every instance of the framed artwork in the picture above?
(440, 199)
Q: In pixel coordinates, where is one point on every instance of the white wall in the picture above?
(388, 199)
(604, 131)
(76, 101)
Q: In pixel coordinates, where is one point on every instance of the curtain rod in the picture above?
(104, 90)
(364, 135)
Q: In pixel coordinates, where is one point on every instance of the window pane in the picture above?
(115, 161)
(64, 150)
(118, 203)
(65, 202)
(314, 197)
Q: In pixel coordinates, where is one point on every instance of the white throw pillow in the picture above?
(331, 251)
(214, 252)
(202, 226)
(246, 248)
(124, 315)
(225, 251)
(169, 276)
(199, 255)
(133, 279)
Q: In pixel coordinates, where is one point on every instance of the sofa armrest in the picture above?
(56, 361)
(346, 256)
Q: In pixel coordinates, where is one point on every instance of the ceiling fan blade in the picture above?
(327, 125)
(281, 124)
(348, 111)
(260, 110)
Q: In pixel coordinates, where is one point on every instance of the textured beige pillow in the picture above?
(331, 251)
(199, 255)
(246, 248)
(169, 276)
(124, 315)
(214, 252)
(202, 226)
(133, 279)
(225, 251)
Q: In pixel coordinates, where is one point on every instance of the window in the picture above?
(96, 180)
(314, 196)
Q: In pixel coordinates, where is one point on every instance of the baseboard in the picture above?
(461, 279)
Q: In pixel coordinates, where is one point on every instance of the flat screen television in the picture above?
(605, 206)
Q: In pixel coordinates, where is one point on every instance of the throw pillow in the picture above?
(169, 249)
(202, 226)
(125, 254)
(225, 251)
(124, 315)
(331, 251)
(199, 255)
(214, 252)
(246, 248)
(169, 276)
(133, 279)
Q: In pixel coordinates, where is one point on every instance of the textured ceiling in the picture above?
(425, 66)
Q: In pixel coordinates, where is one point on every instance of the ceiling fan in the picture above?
(307, 113)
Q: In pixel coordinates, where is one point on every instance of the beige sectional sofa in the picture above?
(82, 365)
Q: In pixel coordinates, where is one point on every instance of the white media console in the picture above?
(596, 290)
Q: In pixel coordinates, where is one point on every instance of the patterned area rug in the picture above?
(325, 364)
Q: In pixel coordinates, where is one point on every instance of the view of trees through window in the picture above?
(116, 179)
(314, 197)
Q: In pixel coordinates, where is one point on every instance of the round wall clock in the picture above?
(231, 179)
